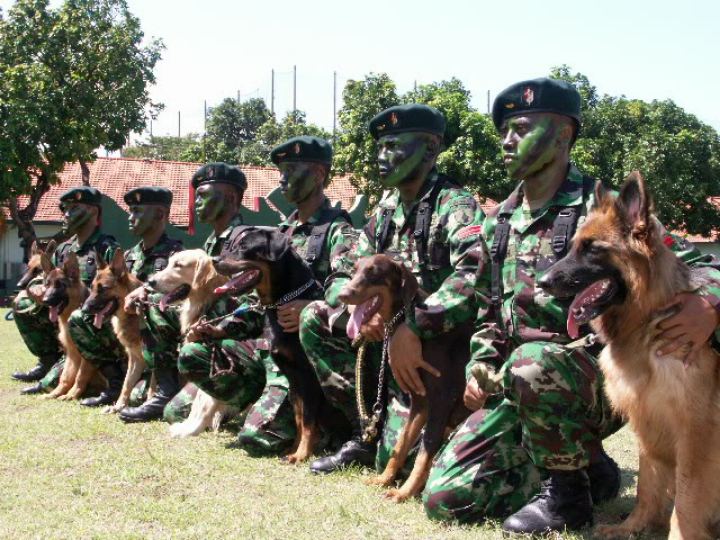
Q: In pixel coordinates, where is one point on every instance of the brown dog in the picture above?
(34, 268)
(621, 272)
(64, 293)
(381, 285)
(111, 285)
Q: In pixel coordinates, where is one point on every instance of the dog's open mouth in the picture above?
(590, 303)
(176, 295)
(57, 309)
(362, 314)
(105, 313)
(240, 282)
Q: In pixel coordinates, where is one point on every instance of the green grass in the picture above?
(69, 472)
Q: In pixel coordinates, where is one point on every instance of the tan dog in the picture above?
(111, 285)
(64, 293)
(621, 273)
(190, 278)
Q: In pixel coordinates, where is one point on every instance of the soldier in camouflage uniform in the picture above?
(81, 215)
(149, 214)
(535, 451)
(324, 238)
(428, 223)
(219, 189)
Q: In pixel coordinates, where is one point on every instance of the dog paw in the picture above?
(379, 481)
(397, 495)
(611, 531)
(295, 459)
(66, 397)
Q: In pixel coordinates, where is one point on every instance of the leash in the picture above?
(370, 423)
(582, 343)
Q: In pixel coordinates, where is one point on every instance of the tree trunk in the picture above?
(24, 217)
(85, 172)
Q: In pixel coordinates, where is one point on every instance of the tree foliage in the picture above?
(168, 148)
(72, 79)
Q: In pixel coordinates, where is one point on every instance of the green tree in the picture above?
(72, 79)
(232, 125)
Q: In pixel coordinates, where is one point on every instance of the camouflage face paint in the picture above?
(530, 144)
(399, 157)
(142, 219)
(75, 215)
(298, 180)
(209, 203)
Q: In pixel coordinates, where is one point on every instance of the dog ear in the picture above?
(46, 264)
(118, 264)
(204, 272)
(99, 261)
(409, 285)
(600, 193)
(278, 246)
(51, 247)
(71, 267)
(33, 249)
(634, 204)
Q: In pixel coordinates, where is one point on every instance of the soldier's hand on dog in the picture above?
(133, 299)
(693, 324)
(406, 358)
(289, 315)
(202, 330)
(474, 398)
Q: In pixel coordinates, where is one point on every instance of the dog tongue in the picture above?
(237, 282)
(54, 310)
(585, 298)
(357, 318)
(163, 302)
(100, 317)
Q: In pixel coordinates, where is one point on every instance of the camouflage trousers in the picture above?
(37, 331)
(242, 373)
(161, 335)
(331, 353)
(99, 346)
(553, 415)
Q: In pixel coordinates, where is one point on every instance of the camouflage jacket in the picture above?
(451, 255)
(527, 312)
(103, 243)
(143, 264)
(337, 256)
(214, 243)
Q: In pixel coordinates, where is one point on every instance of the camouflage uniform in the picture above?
(40, 335)
(447, 276)
(249, 374)
(553, 414)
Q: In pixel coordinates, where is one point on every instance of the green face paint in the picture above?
(298, 180)
(209, 203)
(142, 219)
(400, 156)
(530, 144)
(75, 215)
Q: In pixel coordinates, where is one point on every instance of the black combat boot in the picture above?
(604, 475)
(36, 373)
(564, 502)
(115, 376)
(167, 386)
(353, 452)
(36, 388)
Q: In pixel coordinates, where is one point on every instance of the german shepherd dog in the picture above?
(64, 293)
(263, 260)
(191, 279)
(111, 285)
(34, 268)
(374, 288)
(621, 274)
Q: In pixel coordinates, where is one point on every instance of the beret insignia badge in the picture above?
(138, 196)
(509, 105)
(297, 148)
(393, 119)
(78, 195)
(210, 173)
(528, 96)
(380, 128)
(281, 155)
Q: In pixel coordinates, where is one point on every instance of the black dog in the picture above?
(263, 260)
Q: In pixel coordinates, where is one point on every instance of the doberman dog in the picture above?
(263, 260)
(381, 285)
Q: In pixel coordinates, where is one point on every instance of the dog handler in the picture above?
(535, 452)
(81, 217)
(428, 223)
(324, 237)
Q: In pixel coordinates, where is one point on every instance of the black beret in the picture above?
(149, 195)
(220, 173)
(410, 117)
(82, 194)
(537, 96)
(303, 149)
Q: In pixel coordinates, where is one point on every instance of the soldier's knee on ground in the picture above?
(530, 370)
(191, 354)
(178, 409)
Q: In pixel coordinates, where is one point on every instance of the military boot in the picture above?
(167, 386)
(604, 475)
(353, 452)
(115, 376)
(36, 373)
(564, 502)
(36, 388)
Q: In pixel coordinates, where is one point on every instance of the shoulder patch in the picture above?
(469, 231)
(668, 240)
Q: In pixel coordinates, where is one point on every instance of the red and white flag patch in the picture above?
(469, 231)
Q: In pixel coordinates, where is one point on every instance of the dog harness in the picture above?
(319, 233)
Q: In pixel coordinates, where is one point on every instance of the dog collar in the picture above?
(290, 296)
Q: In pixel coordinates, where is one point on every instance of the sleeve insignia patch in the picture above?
(469, 231)
(668, 240)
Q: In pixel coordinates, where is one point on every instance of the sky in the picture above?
(216, 48)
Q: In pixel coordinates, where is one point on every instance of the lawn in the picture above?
(72, 473)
